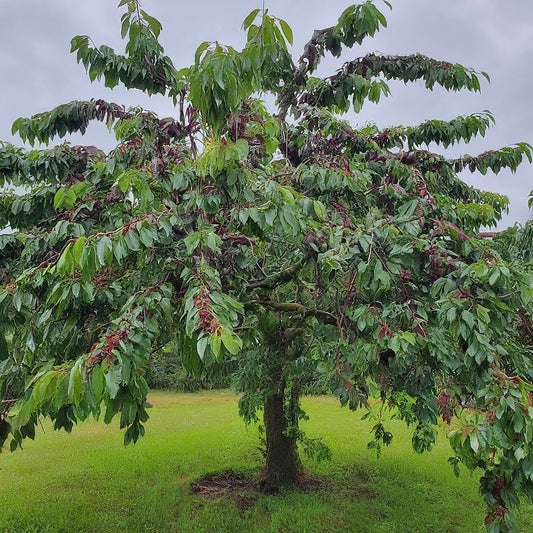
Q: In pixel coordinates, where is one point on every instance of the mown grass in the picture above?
(88, 482)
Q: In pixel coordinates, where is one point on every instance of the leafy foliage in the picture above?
(302, 251)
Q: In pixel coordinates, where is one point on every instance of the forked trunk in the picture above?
(282, 460)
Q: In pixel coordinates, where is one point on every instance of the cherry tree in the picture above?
(295, 245)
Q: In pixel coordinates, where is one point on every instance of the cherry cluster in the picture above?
(343, 212)
(129, 225)
(446, 406)
(100, 280)
(441, 263)
(424, 193)
(385, 331)
(501, 511)
(208, 322)
(405, 275)
(105, 351)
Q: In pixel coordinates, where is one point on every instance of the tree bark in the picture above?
(282, 461)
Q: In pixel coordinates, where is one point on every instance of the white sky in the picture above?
(496, 36)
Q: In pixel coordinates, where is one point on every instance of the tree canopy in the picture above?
(310, 251)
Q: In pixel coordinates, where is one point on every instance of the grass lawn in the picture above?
(87, 481)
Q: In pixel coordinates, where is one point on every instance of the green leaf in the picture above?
(30, 343)
(113, 379)
(127, 415)
(65, 263)
(75, 384)
(287, 31)
(146, 237)
(45, 387)
(77, 249)
(409, 337)
(200, 50)
(270, 216)
(494, 276)
(123, 30)
(16, 125)
(510, 522)
(287, 193)
(201, 345)
(192, 242)
(242, 148)
(250, 18)
(451, 314)
(468, 317)
(97, 381)
(192, 361)
(474, 442)
(104, 251)
(58, 198)
(131, 240)
(25, 411)
(320, 209)
(232, 343)
(215, 344)
(124, 182)
(153, 23)
(214, 242)
(112, 408)
(519, 453)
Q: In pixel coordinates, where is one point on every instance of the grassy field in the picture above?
(88, 482)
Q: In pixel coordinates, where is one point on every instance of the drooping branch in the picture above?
(359, 80)
(354, 25)
(293, 307)
(57, 165)
(411, 68)
(495, 160)
(75, 117)
(444, 132)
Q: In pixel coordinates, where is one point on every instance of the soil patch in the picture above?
(243, 489)
(228, 482)
(307, 483)
(224, 483)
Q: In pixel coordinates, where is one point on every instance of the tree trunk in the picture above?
(282, 460)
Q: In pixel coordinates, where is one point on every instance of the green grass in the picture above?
(87, 481)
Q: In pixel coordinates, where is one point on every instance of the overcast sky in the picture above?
(496, 36)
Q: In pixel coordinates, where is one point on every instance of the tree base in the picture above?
(282, 461)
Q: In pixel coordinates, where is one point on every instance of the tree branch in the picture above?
(293, 307)
(279, 277)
